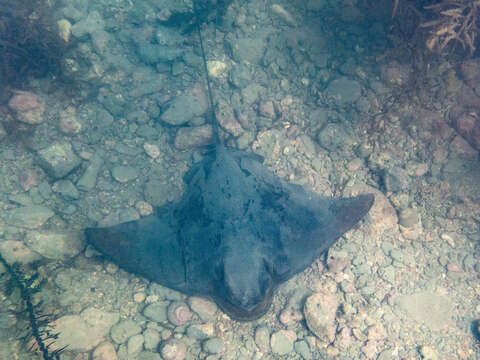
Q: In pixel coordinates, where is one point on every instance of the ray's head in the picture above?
(244, 282)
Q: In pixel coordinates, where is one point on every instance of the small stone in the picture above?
(124, 174)
(262, 338)
(135, 344)
(29, 178)
(28, 107)
(57, 245)
(144, 208)
(216, 68)
(64, 29)
(174, 350)
(408, 217)
(282, 342)
(83, 332)
(428, 353)
(320, 311)
(58, 159)
(214, 346)
(30, 217)
(104, 351)
(69, 123)
(123, 330)
(152, 150)
(152, 339)
(192, 137)
(178, 313)
(205, 309)
(66, 189)
(454, 268)
(267, 109)
(139, 297)
(156, 312)
(200, 331)
(17, 252)
(302, 348)
(290, 316)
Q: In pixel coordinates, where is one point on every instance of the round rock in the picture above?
(320, 310)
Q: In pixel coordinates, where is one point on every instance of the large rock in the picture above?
(83, 332)
(59, 245)
(30, 217)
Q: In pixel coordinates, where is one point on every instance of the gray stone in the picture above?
(58, 160)
(89, 178)
(282, 342)
(83, 332)
(66, 189)
(156, 312)
(200, 331)
(30, 217)
(320, 311)
(185, 107)
(247, 49)
(334, 137)
(433, 310)
(192, 137)
(214, 346)
(262, 338)
(344, 91)
(152, 339)
(302, 348)
(135, 344)
(124, 174)
(58, 245)
(205, 309)
(123, 330)
(174, 349)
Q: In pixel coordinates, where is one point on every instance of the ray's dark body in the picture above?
(235, 235)
(237, 232)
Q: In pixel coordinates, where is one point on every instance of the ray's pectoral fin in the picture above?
(313, 224)
(136, 247)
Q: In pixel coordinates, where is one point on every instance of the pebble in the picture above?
(282, 342)
(28, 107)
(83, 332)
(68, 122)
(57, 245)
(204, 308)
(123, 330)
(89, 178)
(58, 159)
(262, 338)
(29, 178)
(453, 267)
(151, 150)
(320, 311)
(139, 297)
(156, 312)
(214, 346)
(64, 29)
(174, 349)
(216, 68)
(66, 189)
(124, 174)
(104, 351)
(192, 137)
(428, 353)
(302, 348)
(178, 313)
(290, 316)
(135, 344)
(200, 331)
(30, 217)
(152, 339)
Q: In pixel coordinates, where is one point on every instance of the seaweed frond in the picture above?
(39, 333)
